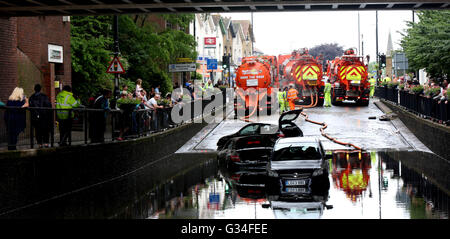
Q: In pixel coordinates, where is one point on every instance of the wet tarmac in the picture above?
(348, 123)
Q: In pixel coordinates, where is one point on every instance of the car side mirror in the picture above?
(265, 205)
(329, 207)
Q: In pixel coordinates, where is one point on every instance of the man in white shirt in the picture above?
(153, 104)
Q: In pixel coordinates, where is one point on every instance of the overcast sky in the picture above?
(281, 32)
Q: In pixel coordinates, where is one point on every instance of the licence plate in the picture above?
(295, 190)
(295, 182)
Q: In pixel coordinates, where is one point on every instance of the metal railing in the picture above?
(41, 126)
(426, 107)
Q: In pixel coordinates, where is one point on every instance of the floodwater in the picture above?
(379, 185)
(376, 187)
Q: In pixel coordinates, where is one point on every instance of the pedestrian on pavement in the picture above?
(153, 102)
(292, 95)
(372, 82)
(327, 92)
(138, 87)
(282, 97)
(65, 102)
(15, 117)
(41, 119)
(98, 118)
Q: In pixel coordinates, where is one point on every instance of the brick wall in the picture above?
(8, 57)
(24, 43)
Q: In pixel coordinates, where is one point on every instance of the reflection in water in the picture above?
(373, 185)
(350, 173)
(367, 185)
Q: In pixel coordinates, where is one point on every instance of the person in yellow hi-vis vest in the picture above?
(292, 95)
(372, 82)
(282, 100)
(387, 79)
(327, 93)
(64, 102)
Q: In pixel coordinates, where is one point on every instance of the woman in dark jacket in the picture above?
(15, 117)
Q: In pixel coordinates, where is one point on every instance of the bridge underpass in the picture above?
(103, 7)
(382, 138)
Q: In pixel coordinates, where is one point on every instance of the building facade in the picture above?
(34, 50)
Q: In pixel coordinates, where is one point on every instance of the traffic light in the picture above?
(225, 61)
(383, 60)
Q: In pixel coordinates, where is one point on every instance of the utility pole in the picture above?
(417, 72)
(252, 36)
(378, 60)
(359, 40)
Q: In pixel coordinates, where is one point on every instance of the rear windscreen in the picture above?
(303, 152)
(252, 142)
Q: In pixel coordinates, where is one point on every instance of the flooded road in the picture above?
(397, 178)
(378, 187)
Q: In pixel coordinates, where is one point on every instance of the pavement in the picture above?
(349, 123)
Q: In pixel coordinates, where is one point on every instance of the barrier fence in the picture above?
(93, 125)
(427, 107)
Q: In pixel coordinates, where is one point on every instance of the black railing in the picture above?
(41, 126)
(426, 107)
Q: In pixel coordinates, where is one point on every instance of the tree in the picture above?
(150, 52)
(427, 43)
(329, 51)
(90, 52)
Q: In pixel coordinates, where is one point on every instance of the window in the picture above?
(249, 130)
(306, 151)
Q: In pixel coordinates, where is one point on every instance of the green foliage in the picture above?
(90, 46)
(149, 53)
(392, 84)
(126, 101)
(432, 92)
(401, 86)
(145, 53)
(164, 102)
(427, 43)
(418, 89)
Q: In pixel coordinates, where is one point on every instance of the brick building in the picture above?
(34, 50)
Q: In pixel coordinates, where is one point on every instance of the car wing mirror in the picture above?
(328, 207)
(265, 205)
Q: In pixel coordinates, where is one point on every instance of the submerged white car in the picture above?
(298, 164)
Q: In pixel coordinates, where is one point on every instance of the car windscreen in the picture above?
(306, 151)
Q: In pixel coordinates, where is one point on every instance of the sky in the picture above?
(281, 32)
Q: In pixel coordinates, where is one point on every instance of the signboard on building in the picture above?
(210, 42)
(189, 67)
(55, 54)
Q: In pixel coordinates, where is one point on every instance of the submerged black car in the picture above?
(251, 152)
(298, 164)
(285, 128)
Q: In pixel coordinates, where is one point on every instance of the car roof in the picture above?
(291, 140)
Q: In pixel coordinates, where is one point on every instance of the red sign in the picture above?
(115, 67)
(210, 41)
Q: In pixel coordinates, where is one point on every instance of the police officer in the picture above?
(372, 82)
(64, 102)
(282, 100)
(327, 92)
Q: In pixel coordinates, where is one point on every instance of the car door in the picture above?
(286, 124)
